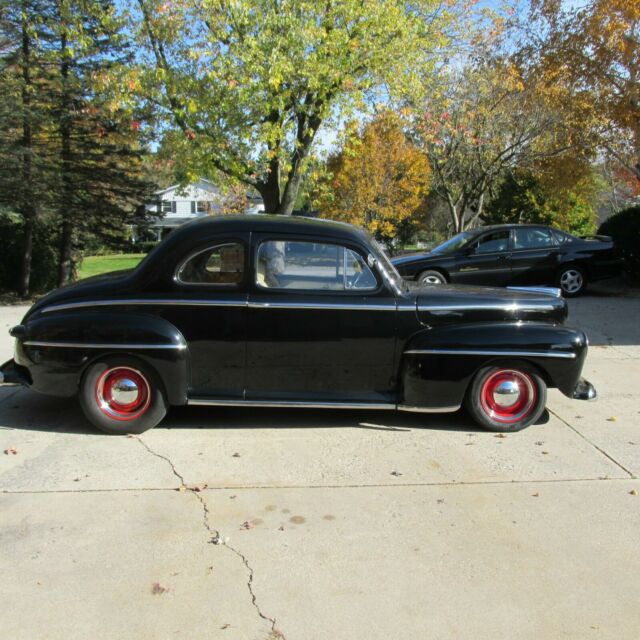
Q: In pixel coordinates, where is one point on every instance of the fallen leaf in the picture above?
(281, 528)
(209, 570)
(612, 419)
(396, 473)
(157, 589)
(181, 488)
(535, 495)
(11, 451)
(130, 435)
(440, 500)
(225, 626)
(232, 497)
(499, 435)
(247, 525)
(199, 487)
(236, 455)
(545, 453)
(539, 443)
(633, 492)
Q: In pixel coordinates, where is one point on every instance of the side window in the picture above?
(222, 264)
(311, 266)
(563, 237)
(493, 242)
(527, 238)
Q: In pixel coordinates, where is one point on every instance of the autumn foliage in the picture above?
(379, 180)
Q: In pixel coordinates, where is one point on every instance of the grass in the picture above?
(95, 265)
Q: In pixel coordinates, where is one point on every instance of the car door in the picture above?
(209, 307)
(321, 324)
(534, 258)
(485, 261)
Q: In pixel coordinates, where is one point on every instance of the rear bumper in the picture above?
(584, 390)
(12, 373)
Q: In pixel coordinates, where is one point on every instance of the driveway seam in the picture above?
(217, 539)
(323, 486)
(593, 444)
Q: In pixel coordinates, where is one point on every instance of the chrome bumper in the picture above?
(584, 391)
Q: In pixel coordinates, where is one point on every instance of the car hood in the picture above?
(463, 303)
(416, 257)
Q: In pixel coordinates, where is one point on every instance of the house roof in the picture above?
(175, 186)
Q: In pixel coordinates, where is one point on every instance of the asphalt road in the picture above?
(243, 524)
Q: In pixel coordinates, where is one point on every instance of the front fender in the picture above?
(57, 349)
(438, 364)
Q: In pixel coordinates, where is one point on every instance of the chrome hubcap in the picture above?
(124, 391)
(571, 281)
(431, 280)
(506, 393)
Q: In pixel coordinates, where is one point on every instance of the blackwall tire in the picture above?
(432, 276)
(122, 395)
(572, 281)
(506, 398)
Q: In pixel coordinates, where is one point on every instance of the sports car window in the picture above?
(493, 242)
(528, 238)
(219, 265)
(283, 264)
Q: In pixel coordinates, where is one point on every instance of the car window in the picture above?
(493, 242)
(562, 237)
(222, 264)
(528, 238)
(283, 264)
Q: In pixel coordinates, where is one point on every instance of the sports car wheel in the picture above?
(431, 276)
(122, 395)
(572, 281)
(506, 398)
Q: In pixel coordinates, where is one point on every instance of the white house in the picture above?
(176, 205)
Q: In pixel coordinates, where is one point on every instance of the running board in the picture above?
(281, 404)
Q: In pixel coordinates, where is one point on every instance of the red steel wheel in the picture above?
(123, 393)
(506, 398)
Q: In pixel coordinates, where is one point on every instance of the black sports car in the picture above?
(520, 254)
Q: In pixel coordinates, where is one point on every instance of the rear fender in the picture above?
(57, 349)
(438, 364)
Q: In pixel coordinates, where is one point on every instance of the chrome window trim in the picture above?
(225, 285)
(515, 306)
(483, 352)
(337, 306)
(98, 345)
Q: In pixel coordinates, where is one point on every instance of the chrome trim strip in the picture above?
(327, 306)
(156, 302)
(95, 345)
(515, 306)
(451, 409)
(484, 352)
(550, 291)
(288, 403)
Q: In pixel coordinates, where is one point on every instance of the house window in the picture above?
(168, 206)
(200, 206)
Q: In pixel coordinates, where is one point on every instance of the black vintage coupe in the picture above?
(519, 254)
(291, 312)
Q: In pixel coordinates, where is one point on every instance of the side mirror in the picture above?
(371, 260)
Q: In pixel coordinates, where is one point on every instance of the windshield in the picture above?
(453, 243)
(387, 267)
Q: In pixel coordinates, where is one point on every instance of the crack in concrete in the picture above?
(594, 445)
(217, 539)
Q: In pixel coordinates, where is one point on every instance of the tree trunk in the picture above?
(27, 204)
(66, 210)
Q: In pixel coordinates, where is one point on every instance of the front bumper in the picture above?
(584, 390)
(12, 373)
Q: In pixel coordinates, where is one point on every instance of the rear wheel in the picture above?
(572, 280)
(122, 395)
(432, 276)
(506, 398)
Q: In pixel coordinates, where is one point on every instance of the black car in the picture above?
(519, 254)
(292, 312)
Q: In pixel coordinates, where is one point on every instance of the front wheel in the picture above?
(122, 395)
(432, 276)
(506, 398)
(572, 281)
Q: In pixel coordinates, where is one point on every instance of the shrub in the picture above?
(624, 228)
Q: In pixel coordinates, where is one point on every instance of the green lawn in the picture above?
(95, 265)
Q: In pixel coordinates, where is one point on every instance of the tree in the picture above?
(596, 45)
(379, 180)
(249, 83)
(491, 117)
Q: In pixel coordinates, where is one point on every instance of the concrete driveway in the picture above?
(257, 524)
